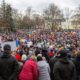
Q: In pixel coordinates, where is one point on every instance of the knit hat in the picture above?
(39, 58)
(62, 54)
(7, 47)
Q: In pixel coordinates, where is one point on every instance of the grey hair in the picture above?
(31, 55)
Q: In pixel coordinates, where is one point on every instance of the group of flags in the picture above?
(24, 36)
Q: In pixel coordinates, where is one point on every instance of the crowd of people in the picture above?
(51, 56)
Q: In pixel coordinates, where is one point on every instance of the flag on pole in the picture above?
(17, 42)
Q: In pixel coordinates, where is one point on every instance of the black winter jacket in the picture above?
(9, 67)
(77, 65)
(64, 70)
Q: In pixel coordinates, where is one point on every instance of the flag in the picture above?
(17, 42)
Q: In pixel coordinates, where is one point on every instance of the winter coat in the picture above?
(53, 60)
(1, 53)
(77, 65)
(51, 54)
(18, 57)
(45, 54)
(29, 71)
(44, 70)
(9, 67)
(64, 70)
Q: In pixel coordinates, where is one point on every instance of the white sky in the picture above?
(39, 5)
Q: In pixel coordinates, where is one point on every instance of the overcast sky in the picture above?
(39, 5)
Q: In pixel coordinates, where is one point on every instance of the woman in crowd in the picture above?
(30, 69)
(43, 68)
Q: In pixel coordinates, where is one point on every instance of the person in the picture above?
(43, 68)
(13, 54)
(52, 61)
(9, 67)
(77, 65)
(1, 52)
(63, 68)
(30, 69)
(18, 56)
(24, 57)
(45, 54)
(51, 53)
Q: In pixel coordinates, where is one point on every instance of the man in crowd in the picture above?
(64, 69)
(1, 52)
(8, 65)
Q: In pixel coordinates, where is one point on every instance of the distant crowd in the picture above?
(50, 56)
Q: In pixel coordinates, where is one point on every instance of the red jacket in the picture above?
(18, 57)
(51, 54)
(29, 71)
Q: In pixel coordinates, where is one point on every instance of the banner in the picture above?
(12, 44)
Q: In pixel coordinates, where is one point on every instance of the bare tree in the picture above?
(76, 18)
(53, 15)
(29, 11)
